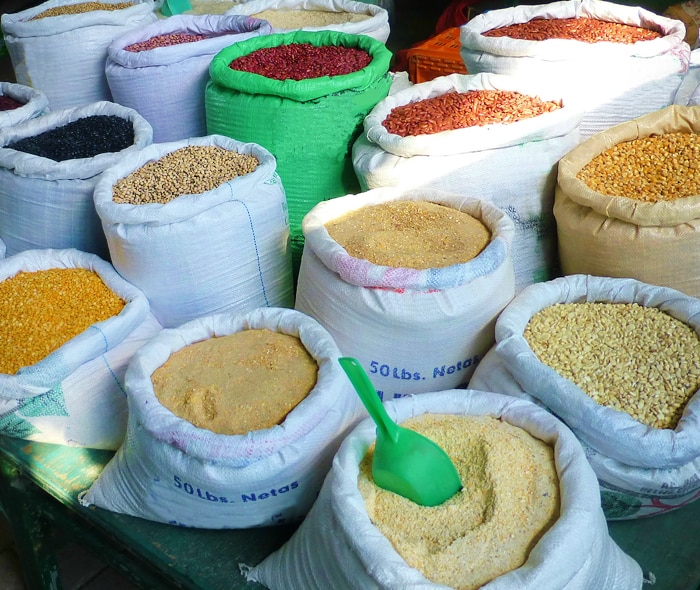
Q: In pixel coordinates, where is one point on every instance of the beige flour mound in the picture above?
(249, 380)
(509, 500)
(410, 234)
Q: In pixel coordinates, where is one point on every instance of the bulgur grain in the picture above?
(42, 310)
(632, 358)
(509, 500)
(296, 19)
(410, 234)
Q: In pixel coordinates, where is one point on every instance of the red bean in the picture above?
(164, 41)
(299, 61)
(8, 104)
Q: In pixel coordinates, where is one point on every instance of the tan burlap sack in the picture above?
(657, 243)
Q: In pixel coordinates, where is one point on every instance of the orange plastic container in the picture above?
(437, 56)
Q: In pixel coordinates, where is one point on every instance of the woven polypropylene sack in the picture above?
(64, 56)
(614, 82)
(200, 254)
(309, 125)
(512, 165)
(49, 204)
(75, 395)
(413, 330)
(610, 236)
(169, 470)
(337, 546)
(375, 25)
(137, 79)
(642, 471)
(34, 103)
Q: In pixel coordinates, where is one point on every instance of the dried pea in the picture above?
(42, 310)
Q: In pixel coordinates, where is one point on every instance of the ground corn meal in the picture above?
(410, 234)
(509, 500)
(655, 168)
(249, 380)
(632, 358)
(42, 310)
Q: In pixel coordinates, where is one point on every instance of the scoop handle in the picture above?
(368, 394)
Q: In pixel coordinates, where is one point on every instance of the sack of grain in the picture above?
(33, 103)
(339, 545)
(175, 54)
(344, 16)
(49, 167)
(627, 202)
(199, 225)
(60, 46)
(171, 471)
(688, 93)
(644, 447)
(308, 123)
(414, 330)
(74, 395)
(614, 81)
(509, 163)
(688, 12)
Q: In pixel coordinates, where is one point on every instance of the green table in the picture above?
(40, 483)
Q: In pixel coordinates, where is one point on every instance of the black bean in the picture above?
(83, 138)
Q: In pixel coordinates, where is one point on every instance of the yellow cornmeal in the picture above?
(410, 234)
(509, 500)
(249, 380)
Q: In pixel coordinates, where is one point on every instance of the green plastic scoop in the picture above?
(173, 7)
(405, 462)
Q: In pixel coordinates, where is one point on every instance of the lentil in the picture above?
(80, 8)
(42, 310)
(458, 110)
(8, 103)
(588, 30)
(299, 61)
(509, 500)
(165, 41)
(410, 234)
(83, 138)
(188, 170)
(632, 358)
(296, 19)
(655, 168)
(212, 7)
(249, 380)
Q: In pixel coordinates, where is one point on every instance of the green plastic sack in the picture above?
(308, 125)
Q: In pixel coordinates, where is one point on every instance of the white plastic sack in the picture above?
(170, 471)
(688, 93)
(64, 56)
(614, 82)
(641, 470)
(338, 547)
(75, 395)
(49, 204)
(226, 249)
(376, 26)
(137, 79)
(510, 165)
(35, 103)
(412, 330)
